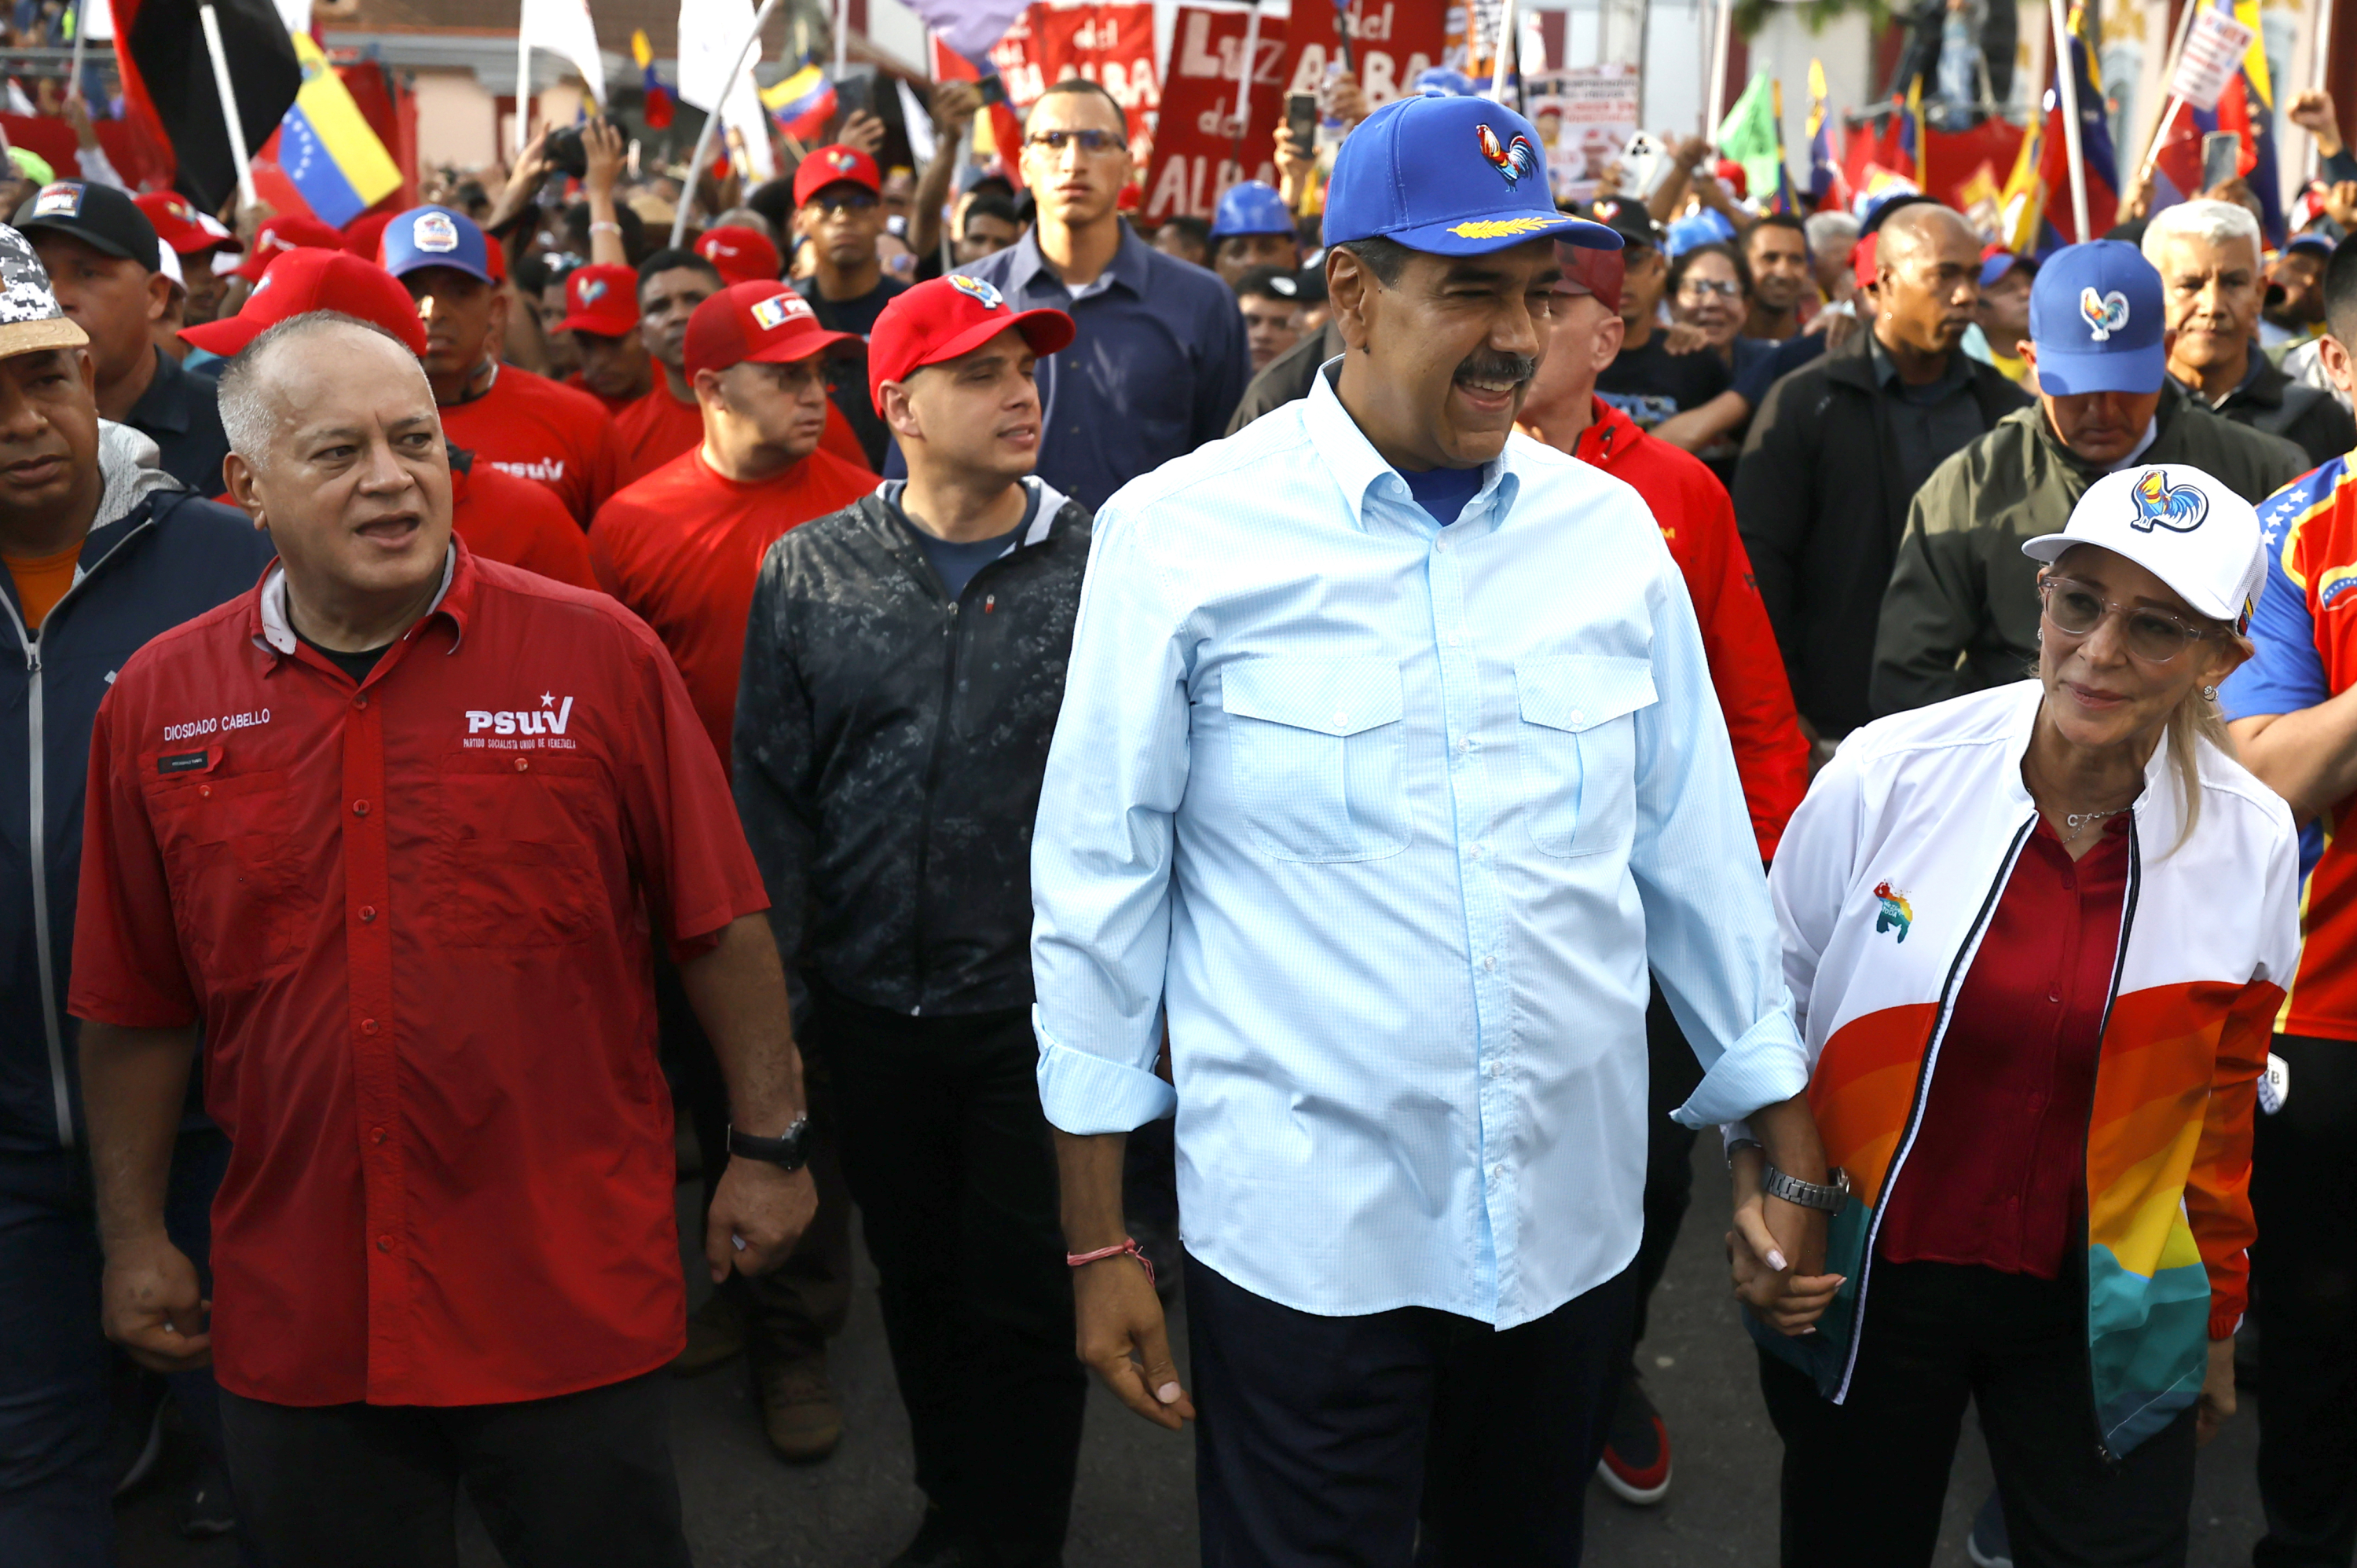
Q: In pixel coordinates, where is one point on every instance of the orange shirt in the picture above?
(658, 427)
(518, 523)
(537, 430)
(683, 546)
(42, 581)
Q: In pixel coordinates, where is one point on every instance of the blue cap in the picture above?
(2309, 240)
(2095, 313)
(1996, 264)
(1455, 176)
(1705, 228)
(436, 237)
(1252, 208)
(1449, 84)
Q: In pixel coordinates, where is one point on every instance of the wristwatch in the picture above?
(1826, 1196)
(789, 1151)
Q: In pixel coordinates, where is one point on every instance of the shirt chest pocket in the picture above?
(1578, 758)
(232, 870)
(517, 861)
(1318, 746)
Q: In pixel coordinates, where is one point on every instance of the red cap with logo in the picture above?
(189, 232)
(834, 166)
(767, 323)
(312, 279)
(288, 233)
(942, 318)
(602, 298)
(741, 255)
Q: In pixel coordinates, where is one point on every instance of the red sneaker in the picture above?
(1636, 1463)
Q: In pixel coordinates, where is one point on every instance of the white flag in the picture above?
(969, 27)
(711, 33)
(562, 28)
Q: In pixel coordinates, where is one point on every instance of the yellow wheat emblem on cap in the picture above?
(1499, 228)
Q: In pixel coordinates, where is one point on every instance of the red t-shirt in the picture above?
(613, 405)
(537, 430)
(1997, 1171)
(1747, 669)
(683, 546)
(518, 523)
(659, 428)
(408, 915)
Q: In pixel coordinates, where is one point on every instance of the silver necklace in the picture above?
(2080, 821)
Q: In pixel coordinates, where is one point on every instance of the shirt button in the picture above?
(1456, 638)
(523, 764)
(1441, 544)
(1490, 961)
(384, 1243)
(204, 791)
(1341, 717)
(1496, 1068)
(368, 1026)
(376, 1134)
(368, 913)
(359, 808)
(1578, 717)
(360, 701)
(1476, 851)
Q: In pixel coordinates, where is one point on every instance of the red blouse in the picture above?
(1997, 1171)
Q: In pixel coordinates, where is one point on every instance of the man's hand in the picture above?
(1295, 166)
(2135, 201)
(2341, 204)
(151, 1307)
(1343, 99)
(603, 147)
(955, 103)
(2217, 1401)
(864, 131)
(1773, 1242)
(76, 115)
(1123, 1339)
(2312, 111)
(1684, 337)
(758, 1213)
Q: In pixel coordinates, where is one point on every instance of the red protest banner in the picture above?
(1393, 42)
(1200, 148)
(1109, 42)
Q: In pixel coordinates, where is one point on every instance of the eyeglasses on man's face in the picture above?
(835, 202)
(1703, 288)
(1089, 141)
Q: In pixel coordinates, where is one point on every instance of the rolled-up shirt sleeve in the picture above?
(1101, 851)
(1710, 933)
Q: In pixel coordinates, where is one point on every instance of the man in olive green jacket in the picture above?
(1961, 613)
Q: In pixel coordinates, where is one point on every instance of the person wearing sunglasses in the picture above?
(839, 209)
(1961, 611)
(1160, 359)
(2038, 937)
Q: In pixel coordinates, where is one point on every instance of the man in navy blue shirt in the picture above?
(1160, 360)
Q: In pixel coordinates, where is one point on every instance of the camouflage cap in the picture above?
(30, 318)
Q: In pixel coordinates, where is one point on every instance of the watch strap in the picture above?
(1828, 1196)
(789, 1151)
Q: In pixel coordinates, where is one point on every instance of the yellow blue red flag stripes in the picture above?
(802, 104)
(328, 150)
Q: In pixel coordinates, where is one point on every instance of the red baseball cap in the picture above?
(942, 318)
(602, 298)
(1586, 270)
(279, 235)
(767, 323)
(834, 166)
(189, 232)
(301, 281)
(365, 235)
(1733, 175)
(741, 255)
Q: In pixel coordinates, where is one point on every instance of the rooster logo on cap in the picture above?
(2180, 511)
(2105, 313)
(1513, 161)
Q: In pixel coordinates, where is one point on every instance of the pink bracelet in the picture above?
(1128, 1247)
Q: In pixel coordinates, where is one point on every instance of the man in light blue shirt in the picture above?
(1388, 763)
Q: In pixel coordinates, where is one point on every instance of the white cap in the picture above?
(2178, 523)
(167, 261)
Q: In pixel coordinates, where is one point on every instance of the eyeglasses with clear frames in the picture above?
(2075, 611)
(1090, 140)
(1725, 288)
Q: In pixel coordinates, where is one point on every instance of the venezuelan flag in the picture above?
(327, 150)
(802, 104)
(1828, 186)
(2094, 149)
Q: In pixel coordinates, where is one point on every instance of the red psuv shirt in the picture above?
(683, 546)
(659, 428)
(540, 430)
(1747, 669)
(408, 915)
(517, 523)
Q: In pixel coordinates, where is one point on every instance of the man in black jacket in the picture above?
(103, 550)
(903, 668)
(1839, 447)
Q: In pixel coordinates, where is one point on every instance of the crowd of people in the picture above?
(1295, 761)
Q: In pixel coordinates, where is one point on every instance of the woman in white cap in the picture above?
(2037, 936)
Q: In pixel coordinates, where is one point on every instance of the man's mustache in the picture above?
(1488, 365)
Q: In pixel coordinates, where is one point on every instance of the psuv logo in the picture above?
(550, 718)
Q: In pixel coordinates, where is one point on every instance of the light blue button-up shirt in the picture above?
(1389, 820)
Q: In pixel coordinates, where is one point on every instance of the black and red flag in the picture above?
(167, 82)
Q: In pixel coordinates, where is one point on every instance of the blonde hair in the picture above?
(2196, 719)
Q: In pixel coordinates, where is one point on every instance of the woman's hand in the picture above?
(1684, 337)
(2217, 1401)
(1772, 1241)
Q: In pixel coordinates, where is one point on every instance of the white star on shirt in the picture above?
(548, 699)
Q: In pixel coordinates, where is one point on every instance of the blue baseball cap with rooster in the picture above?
(1455, 176)
(2095, 313)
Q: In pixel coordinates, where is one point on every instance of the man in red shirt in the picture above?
(383, 827)
(514, 420)
(601, 311)
(682, 548)
(1771, 756)
(501, 517)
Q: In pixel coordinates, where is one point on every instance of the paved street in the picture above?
(1136, 1506)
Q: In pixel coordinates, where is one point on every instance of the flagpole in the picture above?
(2066, 76)
(1502, 59)
(842, 30)
(230, 119)
(1722, 27)
(82, 34)
(523, 87)
(712, 117)
(1242, 110)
